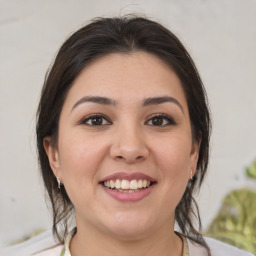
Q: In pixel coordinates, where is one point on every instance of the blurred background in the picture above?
(221, 38)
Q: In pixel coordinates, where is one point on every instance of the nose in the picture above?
(129, 145)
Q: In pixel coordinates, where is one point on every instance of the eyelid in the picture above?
(90, 116)
(164, 116)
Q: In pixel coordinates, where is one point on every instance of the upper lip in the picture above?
(128, 176)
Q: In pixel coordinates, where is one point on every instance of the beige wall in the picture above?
(219, 34)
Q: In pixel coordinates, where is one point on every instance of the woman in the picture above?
(123, 138)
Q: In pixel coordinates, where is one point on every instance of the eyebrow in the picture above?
(95, 99)
(160, 100)
(147, 102)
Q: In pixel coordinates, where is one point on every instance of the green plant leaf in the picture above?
(236, 221)
(251, 171)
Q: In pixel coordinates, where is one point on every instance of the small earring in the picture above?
(58, 181)
(191, 177)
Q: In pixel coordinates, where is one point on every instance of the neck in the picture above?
(89, 241)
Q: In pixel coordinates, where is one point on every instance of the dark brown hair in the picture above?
(124, 35)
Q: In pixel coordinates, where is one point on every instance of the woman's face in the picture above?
(125, 150)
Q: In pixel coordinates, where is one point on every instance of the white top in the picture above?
(44, 245)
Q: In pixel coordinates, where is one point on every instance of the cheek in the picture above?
(173, 161)
(80, 158)
(172, 186)
(174, 156)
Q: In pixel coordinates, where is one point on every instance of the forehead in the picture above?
(127, 77)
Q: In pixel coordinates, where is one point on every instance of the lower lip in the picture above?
(128, 197)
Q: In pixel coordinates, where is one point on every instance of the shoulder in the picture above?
(42, 245)
(53, 251)
(217, 249)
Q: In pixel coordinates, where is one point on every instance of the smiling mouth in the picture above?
(126, 186)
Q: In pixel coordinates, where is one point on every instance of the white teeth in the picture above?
(128, 190)
(133, 184)
(118, 184)
(112, 184)
(126, 185)
(140, 184)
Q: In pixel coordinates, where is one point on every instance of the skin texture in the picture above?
(127, 141)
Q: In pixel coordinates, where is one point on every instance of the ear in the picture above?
(194, 155)
(53, 156)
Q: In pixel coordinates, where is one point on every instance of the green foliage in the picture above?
(236, 221)
(251, 171)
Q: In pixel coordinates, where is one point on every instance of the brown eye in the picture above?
(160, 120)
(157, 120)
(96, 120)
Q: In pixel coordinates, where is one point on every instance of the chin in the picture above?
(128, 233)
(129, 227)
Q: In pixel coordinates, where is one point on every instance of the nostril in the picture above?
(130, 159)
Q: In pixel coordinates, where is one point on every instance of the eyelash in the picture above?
(168, 119)
(91, 117)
